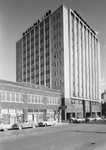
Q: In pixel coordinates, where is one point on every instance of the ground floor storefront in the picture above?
(11, 116)
(25, 101)
(80, 109)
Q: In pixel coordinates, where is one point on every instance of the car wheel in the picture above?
(5, 129)
(20, 127)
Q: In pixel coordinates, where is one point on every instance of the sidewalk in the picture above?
(61, 123)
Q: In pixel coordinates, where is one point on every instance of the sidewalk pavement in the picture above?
(61, 123)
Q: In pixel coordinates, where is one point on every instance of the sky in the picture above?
(18, 15)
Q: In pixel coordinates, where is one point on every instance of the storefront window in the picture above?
(6, 118)
(40, 117)
(19, 117)
(52, 116)
(48, 116)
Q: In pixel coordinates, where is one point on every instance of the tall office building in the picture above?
(61, 51)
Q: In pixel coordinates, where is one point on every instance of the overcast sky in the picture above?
(18, 15)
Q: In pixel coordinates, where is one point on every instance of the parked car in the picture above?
(4, 126)
(72, 119)
(26, 124)
(47, 123)
(103, 118)
(97, 118)
(90, 118)
(79, 120)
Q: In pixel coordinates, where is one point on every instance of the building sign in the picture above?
(63, 107)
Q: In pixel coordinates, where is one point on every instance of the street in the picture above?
(85, 136)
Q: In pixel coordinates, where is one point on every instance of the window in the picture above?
(35, 99)
(55, 82)
(32, 98)
(3, 96)
(21, 98)
(28, 97)
(60, 82)
(48, 100)
(38, 99)
(8, 96)
(53, 100)
(30, 110)
(17, 97)
(72, 101)
(12, 96)
(42, 99)
(58, 101)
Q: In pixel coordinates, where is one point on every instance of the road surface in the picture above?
(63, 137)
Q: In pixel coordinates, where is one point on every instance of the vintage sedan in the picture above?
(71, 119)
(97, 118)
(47, 123)
(90, 119)
(79, 120)
(26, 124)
(4, 126)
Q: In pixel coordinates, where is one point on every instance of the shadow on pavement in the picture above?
(78, 131)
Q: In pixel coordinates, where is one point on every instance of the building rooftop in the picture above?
(49, 13)
(28, 85)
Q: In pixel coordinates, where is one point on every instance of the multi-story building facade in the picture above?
(26, 101)
(62, 52)
(103, 103)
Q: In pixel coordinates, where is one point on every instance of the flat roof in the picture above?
(28, 85)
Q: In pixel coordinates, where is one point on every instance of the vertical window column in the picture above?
(90, 68)
(87, 66)
(83, 64)
(75, 57)
(80, 70)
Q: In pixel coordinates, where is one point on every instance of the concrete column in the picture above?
(84, 109)
(45, 114)
(90, 108)
(60, 114)
(25, 111)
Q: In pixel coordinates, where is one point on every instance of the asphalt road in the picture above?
(62, 137)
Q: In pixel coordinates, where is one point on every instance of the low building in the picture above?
(103, 98)
(26, 101)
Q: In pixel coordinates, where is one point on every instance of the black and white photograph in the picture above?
(52, 75)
